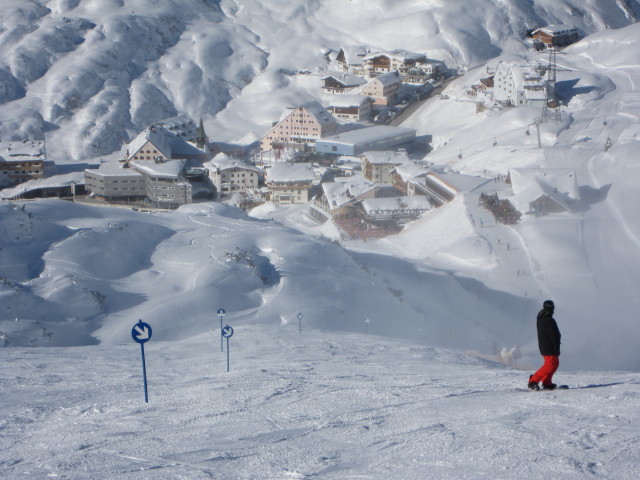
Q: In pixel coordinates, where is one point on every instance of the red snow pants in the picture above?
(546, 371)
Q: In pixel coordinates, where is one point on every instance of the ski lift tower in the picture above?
(550, 108)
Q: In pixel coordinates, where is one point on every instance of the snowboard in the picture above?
(559, 387)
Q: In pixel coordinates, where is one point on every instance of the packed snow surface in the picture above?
(315, 404)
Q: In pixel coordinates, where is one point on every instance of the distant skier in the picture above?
(549, 343)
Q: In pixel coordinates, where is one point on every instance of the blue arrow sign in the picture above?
(141, 332)
(221, 312)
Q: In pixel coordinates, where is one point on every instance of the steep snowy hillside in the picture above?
(89, 74)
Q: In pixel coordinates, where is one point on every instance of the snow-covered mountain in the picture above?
(89, 74)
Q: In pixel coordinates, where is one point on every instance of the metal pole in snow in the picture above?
(221, 313)
(144, 374)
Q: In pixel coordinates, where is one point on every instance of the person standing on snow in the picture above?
(549, 343)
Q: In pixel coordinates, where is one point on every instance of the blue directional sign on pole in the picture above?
(227, 332)
(300, 321)
(221, 313)
(141, 333)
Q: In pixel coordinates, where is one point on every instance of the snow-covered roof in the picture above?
(168, 169)
(457, 182)
(180, 125)
(345, 190)
(314, 108)
(556, 29)
(183, 148)
(388, 78)
(348, 100)
(223, 162)
(409, 170)
(22, 151)
(345, 78)
(398, 54)
(113, 169)
(157, 136)
(169, 143)
(56, 181)
(537, 94)
(529, 184)
(369, 134)
(354, 54)
(387, 157)
(374, 206)
(290, 173)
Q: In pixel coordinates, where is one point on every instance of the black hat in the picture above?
(548, 305)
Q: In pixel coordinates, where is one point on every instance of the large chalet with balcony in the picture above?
(556, 35)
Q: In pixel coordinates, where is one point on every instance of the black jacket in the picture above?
(548, 334)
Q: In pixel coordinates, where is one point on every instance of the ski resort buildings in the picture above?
(230, 176)
(556, 35)
(289, 183)
(300, 127)
(517, 85)
(21, 161)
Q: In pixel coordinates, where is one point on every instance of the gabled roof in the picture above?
(523, 77)
(348, 100)
(529, 184)
(343, 191)
(223, 162)
(290, 173)
(354, 54)
(388, 78)
(387, 157)
(157, 136)
(346, 79)
(556, 29)
(321, 114)
(169, 143)
(410, 170)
